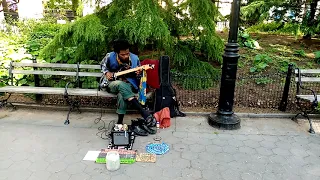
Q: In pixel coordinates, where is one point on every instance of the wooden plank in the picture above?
(56, 65)
(59, 91)
(308, 79)
(90, 74)
(308, 97)
(32, 90)
(44, 65)
(88, 66)
(308, 71)
(62, 73)
(95, 92)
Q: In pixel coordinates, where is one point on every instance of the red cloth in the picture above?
(163, 117)
(153, 79)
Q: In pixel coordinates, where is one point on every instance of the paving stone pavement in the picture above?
(36, 145)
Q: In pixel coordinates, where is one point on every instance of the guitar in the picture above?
(121, 73)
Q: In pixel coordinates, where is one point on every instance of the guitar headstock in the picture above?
(148, 66)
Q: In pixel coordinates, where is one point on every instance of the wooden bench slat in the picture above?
(308, 97)
(308, 79)
(88, 66)
(56, 65)
(32, 90)
(59, 91)
(308, 71)
(90, 74)
(62, 73)
(44, 65)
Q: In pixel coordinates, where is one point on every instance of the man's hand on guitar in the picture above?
(138, 72)
(109, 75)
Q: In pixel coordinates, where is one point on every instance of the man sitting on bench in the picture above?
(121, 59)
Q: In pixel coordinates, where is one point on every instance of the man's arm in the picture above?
(103, 64)
(105, 67)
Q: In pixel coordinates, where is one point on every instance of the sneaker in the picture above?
(151, 121)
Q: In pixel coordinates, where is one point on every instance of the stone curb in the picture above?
(254, 115)
(87, 109)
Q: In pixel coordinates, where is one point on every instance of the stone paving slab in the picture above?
(36, 145)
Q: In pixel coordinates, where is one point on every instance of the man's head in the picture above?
(121, 47)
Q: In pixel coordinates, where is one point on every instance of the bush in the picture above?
(265, 27)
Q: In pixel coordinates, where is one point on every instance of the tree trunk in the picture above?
(75, 5)
(313, 9)
(5, 10)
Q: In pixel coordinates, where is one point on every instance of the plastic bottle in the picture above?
(113, 160)
(158, 125)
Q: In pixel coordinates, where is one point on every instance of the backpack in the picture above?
(165, 95)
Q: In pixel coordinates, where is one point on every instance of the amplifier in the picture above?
(122, 139)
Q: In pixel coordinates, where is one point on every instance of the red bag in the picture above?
(163, 117)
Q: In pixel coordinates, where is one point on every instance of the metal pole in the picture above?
(225, 117)
(284, 101)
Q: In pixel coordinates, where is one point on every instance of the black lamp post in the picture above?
(225, 118)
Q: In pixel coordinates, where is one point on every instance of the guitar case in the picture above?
(165, 95)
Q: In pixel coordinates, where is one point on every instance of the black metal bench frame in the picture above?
(312, 98)
(66, 91)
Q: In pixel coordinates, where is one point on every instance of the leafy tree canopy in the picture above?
(184, 30)
(301, 14)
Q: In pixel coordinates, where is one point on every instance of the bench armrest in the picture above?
(315, 102)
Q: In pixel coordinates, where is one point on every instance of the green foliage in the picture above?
(144, 23)
(21, 46)
(255, 11)
(245, 40)
(293, 16)
(11, 49)
(317, 57)
(263, 81)
(300, 53)
(186, 58)
(77, 41)
(284, 63)
(277, 28)
(265, 27)
(260, 63)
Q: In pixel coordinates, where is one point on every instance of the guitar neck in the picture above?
(128, 71)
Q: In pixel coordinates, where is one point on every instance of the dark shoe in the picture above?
(137, 129)
(143, 125)
(151, 121)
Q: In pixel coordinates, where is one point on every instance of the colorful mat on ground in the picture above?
(126, 156)
(157, 148)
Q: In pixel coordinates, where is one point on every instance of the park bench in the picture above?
(304, 94)
(71, 88)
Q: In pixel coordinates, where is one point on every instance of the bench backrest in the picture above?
(306, 76)
(50, 69)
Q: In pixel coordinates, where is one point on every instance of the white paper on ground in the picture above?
(91, 155)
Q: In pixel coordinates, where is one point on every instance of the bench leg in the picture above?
(72, 106)
(67, 121)
(296, 116)
(5, 103)
(304, 114)
(311, 130)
